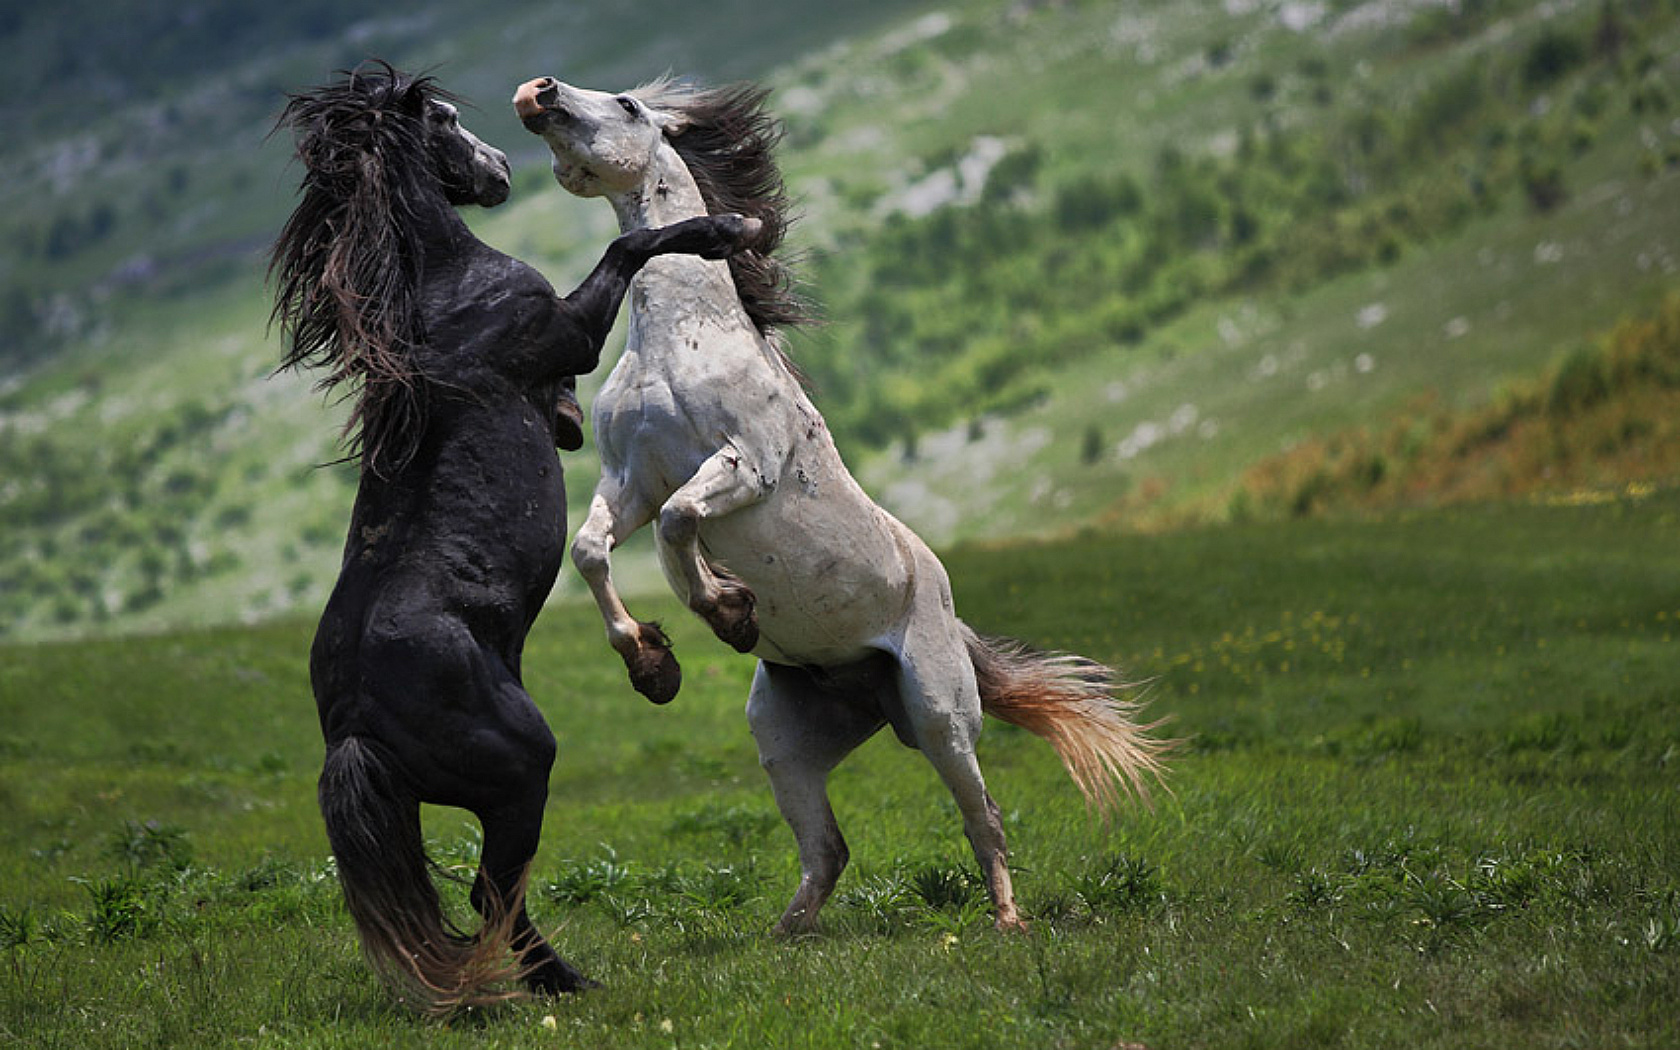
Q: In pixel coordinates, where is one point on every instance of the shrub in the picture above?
(1126, 883)
(1552, 55)
(1580, 383)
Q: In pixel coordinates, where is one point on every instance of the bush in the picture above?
(1581, 382)
(1551, 56)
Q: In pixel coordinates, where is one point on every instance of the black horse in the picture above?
(457, 356)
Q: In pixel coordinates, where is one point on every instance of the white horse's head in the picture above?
(603, 144)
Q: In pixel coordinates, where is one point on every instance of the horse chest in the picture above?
(667, 406)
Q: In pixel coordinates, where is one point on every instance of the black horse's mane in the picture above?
(346, 264)
(728, 139)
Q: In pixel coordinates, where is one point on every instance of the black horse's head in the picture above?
(401, 128)
(380, 149)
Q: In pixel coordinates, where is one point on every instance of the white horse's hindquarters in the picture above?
(825, 599)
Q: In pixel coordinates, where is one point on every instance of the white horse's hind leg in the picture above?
(646, 651)
(802, 733)
(942, 702)
(724, 483)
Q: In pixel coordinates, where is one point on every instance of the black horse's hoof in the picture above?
(558, 977)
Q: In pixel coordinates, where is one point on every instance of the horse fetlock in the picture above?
(1009, 921)
(798, 921)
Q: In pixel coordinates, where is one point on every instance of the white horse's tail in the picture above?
(1075, 705)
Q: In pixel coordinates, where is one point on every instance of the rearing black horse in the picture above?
(458, 356)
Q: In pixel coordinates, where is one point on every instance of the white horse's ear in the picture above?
(667, 122)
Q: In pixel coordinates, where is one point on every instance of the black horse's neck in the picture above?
(437, 228)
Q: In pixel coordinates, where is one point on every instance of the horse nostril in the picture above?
(534, 97)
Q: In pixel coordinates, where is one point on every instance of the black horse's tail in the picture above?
(373, 824)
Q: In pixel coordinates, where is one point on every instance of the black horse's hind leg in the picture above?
(513, 760)
(510, 840)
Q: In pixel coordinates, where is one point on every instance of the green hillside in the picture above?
(1081, 264)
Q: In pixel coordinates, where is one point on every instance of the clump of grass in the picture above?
(944, 887)
(141, 845)
(1661, 932)
(882, 902)
(580, 882)
(121, 908)
(17, 926)
(1315, 889)
(1126, 883)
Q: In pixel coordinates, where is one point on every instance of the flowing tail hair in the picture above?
(373, 824)
(1076, 706)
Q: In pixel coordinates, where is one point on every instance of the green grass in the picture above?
(1428, 799)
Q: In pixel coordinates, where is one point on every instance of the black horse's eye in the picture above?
(629, 105)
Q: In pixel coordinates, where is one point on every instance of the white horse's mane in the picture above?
(727, 138)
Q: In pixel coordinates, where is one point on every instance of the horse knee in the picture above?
(679, 522)
(590, 553)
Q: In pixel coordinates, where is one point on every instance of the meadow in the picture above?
(1426, 798)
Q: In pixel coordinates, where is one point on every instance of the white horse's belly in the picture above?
(830, 575)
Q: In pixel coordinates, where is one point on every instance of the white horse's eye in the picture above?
(628, 104)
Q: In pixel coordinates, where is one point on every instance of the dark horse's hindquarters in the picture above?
(460, 353)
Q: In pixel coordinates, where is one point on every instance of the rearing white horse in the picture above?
(704, 427)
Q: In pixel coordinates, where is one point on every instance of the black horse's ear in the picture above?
(412, 101)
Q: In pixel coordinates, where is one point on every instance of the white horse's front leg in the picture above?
(724, 484)
(646, 651)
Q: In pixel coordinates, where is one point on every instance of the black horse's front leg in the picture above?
(597, 299)
(708, 236)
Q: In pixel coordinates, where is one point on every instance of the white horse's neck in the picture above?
(682, 300)
(668, 194)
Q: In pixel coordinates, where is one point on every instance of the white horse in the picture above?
(704, 427)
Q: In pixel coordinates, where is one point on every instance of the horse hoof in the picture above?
(558, 977)
(655, 673)
(788, 931)
(742, 636)
(735, 621)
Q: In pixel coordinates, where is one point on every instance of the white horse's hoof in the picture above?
(654, 671)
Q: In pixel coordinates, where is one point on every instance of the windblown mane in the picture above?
(346, 264)
(728, 140)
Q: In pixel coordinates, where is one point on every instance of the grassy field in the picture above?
(1428, 798)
